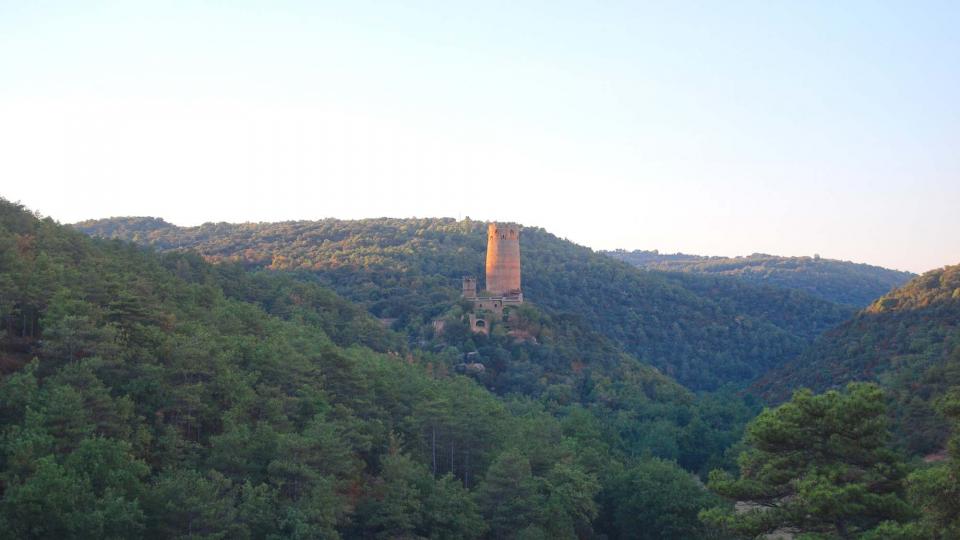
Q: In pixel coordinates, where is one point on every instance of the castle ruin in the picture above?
(502, 280)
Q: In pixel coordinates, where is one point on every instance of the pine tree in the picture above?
(510, 497)
(817, 464)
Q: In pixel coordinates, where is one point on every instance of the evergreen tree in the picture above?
(510, 496)
(818, 465)
(395, 507)
(655, 499)
(450, 512)
(935, 490)
(570, 501)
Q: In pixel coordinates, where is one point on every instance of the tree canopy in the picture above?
(841, 282)
(815, 465)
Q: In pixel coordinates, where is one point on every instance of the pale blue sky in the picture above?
(711, 127)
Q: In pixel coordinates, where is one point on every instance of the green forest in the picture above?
(184, 399)
(842, 282)
(908, 341)
(312, 380)
(703, 331)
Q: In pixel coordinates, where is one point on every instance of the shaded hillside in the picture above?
(159, 396)
(841, 282)
(702, 330)
(908, 341)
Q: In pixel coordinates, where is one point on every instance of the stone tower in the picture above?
(503, 259)
(469, 287)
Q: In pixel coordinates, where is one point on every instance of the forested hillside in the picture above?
(160, 396)
(841, 282)
(702, 330)
(908, 341)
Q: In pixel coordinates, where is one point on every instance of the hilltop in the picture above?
(704, 331)
(841, 282)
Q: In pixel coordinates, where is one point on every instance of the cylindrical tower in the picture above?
(503, 259)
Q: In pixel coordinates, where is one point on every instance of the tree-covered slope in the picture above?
(702, 330)
(842, 282)
(908, 341)
(159, 396)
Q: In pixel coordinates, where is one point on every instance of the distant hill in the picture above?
(704, 331)
(841, 282)
(908, 341)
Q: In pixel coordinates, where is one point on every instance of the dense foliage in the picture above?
(654, 500)
(702, 331)
(821, 467)
(935, 490)
(817, 466)
(908, 341)
(841, 282)
(159, 396)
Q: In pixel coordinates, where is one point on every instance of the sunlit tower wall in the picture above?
(503, 259)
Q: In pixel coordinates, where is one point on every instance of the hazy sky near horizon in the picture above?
(721, 128)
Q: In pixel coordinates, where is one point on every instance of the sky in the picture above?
(716, 128)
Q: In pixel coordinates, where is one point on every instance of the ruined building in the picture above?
(503, 277)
